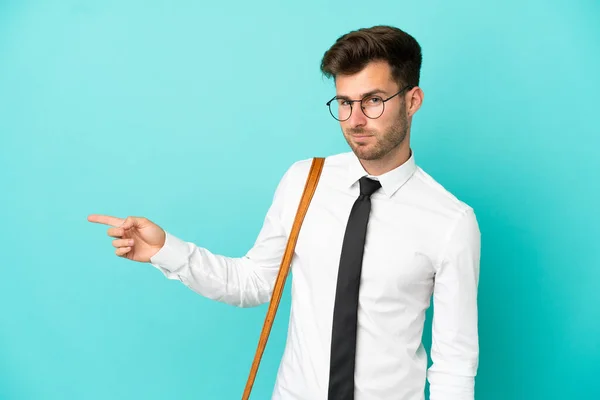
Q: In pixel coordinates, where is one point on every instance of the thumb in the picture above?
(128, 223)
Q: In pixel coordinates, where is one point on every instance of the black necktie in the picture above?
(343, 337)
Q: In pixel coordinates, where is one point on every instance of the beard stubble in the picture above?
(385, 143)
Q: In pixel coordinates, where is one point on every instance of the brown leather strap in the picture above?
(309, 190)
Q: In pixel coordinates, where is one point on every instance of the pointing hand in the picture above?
(137, 238)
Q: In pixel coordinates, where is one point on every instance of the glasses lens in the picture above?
(372, 106)
(340, 109)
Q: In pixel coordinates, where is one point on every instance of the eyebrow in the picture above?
(369, 93)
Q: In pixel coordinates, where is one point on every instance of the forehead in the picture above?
(376, 75)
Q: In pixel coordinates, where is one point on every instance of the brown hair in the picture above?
(354, 50)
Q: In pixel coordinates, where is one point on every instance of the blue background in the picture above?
(189, 114)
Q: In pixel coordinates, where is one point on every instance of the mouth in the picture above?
(361, 136)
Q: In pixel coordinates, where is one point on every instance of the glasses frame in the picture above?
(362, 108)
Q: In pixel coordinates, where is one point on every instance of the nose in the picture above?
(357, 118)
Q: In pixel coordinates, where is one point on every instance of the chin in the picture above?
(366, 152)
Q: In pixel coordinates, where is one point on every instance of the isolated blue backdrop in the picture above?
(189, 114)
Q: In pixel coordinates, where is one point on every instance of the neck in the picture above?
(392, 160)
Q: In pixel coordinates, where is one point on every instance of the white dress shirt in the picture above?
(421, 241)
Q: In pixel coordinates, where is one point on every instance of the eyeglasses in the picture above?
(372, 106)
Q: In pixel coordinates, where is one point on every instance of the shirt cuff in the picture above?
(173, 255)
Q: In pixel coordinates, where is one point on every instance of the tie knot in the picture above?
(368, 186)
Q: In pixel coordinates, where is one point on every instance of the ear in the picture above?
(414, 100)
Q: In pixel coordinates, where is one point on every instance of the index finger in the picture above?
(105, 219)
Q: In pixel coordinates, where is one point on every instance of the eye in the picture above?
(344, 103)
(373, 100)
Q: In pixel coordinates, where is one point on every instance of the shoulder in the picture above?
(456, 220)
(298, 170)
(438, 197)
(293, 181)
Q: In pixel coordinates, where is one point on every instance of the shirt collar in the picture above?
(391, 181)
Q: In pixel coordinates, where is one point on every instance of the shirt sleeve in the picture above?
(455, 343)
(244, 281)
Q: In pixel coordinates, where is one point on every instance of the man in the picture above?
(359, 295)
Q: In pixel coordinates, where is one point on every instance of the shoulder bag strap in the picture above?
(309, 190)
